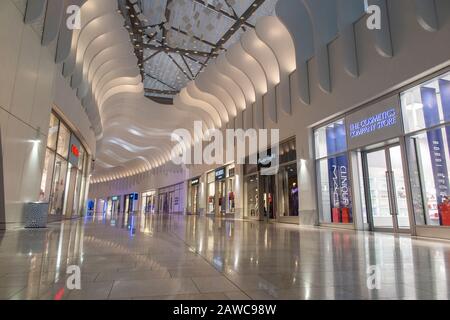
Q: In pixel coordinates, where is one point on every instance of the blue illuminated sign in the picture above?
(373, 123)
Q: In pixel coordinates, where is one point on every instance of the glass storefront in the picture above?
(113, 206)
(211, 192)
(131, 203)
(64, 177)
(170, 199)
(149, 202)
(426, 115)
(334, 188)
(399, 152)
(193, 196)
(272, 196)
(221, 191)
(251, 186)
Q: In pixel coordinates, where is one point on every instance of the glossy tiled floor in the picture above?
(175, 257)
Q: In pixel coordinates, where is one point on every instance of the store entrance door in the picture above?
(221, 198)
(385, 190)
(268, 193)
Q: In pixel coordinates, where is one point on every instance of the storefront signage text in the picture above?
(195, 181)
(220, 174)
(374, 123)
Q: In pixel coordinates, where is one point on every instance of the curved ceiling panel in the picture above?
(273, 32)
(239, 58)
(197, 98)
(261, 52)
(238, 76)
(207, 82)
(229, 85)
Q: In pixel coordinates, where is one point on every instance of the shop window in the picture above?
(53, 132)
(428, 159)
(330, 139)
(63, 185)
(426, 112)
(427, 105)
(59, 183)
(251, 187)
(334, 187)
(288, 191)
(231, 205)
(47, 174)
(63, 141)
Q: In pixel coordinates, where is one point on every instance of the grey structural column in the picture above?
(427, 15)
(295, 17)
(324, 21)
(349, 11)
(52, 22)
(35, 10)
(383, 41)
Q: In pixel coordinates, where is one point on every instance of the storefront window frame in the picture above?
(255, 171)
(82, 171)
(403, 138)
(211, 179)
(420, 218)
(318, 159)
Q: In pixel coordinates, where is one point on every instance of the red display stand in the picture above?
(345, 215)
(336, 212)
(444, 214)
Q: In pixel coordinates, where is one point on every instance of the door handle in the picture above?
(389, 191)
(394, 192)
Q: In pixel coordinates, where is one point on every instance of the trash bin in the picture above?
(36, 214)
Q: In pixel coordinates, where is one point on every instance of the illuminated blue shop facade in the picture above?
(385, 166)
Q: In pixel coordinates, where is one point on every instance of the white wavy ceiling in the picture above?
(133, 132)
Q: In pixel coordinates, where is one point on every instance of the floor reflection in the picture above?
(133, 256)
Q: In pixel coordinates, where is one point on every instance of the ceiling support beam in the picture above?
(187, 66)
(160, 81)
(154, 54)
(178, 66)
(226, 14)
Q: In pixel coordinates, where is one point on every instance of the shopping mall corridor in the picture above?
(188, 257)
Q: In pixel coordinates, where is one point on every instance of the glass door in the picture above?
(221, 198)
(268, 185)
(385, 190)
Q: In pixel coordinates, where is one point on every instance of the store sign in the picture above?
(377, 123)
(374, 123)
(74, 151)
(115, 198)
(195, 182)
(220, 174)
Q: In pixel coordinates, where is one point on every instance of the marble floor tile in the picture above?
(214, 284)
(197, 258)
(154, 287)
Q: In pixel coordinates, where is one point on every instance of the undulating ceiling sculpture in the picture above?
(134, 133)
